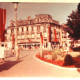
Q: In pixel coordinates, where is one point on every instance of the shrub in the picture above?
(57, 51)
(77, 64)
(68, 60)
(54, 55)
(44, 52)
(50, 52)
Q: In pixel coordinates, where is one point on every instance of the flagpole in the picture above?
(41, 43)
(16, 38)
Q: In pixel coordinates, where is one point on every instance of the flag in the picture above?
(55, 35)
(41, 36)
(49, 34)
(13, 40)
(2, 23)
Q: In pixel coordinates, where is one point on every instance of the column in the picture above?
(49, 37)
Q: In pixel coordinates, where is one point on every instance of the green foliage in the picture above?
(68, 60)
(78, 8)
(73, 23)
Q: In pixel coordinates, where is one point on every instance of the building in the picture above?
(29, 32)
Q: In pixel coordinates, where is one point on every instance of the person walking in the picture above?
(2, 53)
(13, 51)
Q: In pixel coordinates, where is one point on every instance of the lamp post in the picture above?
(16, 38)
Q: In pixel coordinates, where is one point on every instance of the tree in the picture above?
(78, 8)
(73, 24)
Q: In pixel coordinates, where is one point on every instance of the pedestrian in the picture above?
(12, 51)
(2, 53)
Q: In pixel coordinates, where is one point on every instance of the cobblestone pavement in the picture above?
(29, 66)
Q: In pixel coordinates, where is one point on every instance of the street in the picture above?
(29, 66)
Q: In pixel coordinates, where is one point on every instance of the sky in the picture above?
(58, 11)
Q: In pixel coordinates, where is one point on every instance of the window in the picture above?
(27, 28)
(12, 31)
(22, 30)
(44, 29)
(38, 28)
(17, 30)
(32, 28)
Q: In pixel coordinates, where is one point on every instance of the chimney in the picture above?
(29, 18)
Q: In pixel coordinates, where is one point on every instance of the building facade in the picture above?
(29, 31)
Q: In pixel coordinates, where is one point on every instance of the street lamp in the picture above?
(16, 38)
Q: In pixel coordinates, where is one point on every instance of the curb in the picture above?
(56, 65)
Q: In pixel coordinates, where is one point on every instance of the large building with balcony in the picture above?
(29, 31)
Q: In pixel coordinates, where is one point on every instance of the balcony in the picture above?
(38, 32)
(32, 32)
(27, 33)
